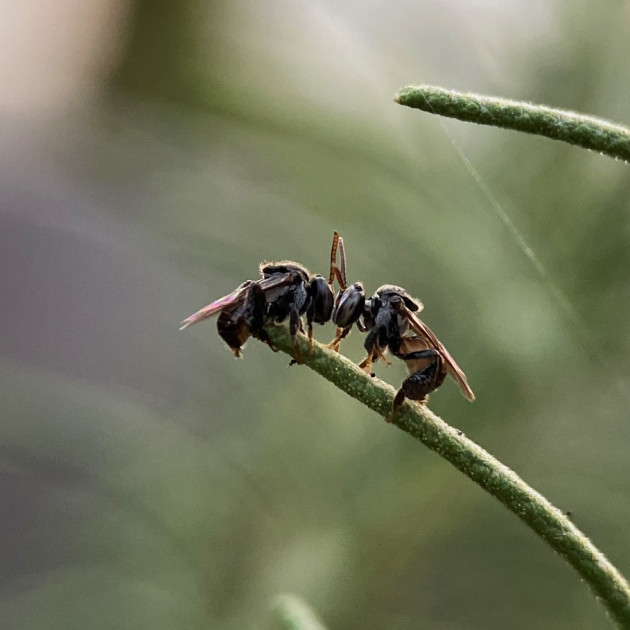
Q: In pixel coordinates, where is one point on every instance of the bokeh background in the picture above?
(152, 154)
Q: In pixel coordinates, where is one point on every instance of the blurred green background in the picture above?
(153, 153)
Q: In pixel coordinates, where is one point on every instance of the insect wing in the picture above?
(214, 307)
(421, 329)
(276, 280)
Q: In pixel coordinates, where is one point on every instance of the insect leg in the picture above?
(379, 355)
(398, 400)
(342, 333)
(295, 324)
(371, 341)
(366, 364)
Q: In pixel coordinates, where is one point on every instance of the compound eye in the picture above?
(349, 306)
(374, 305)
(323, 298)
(411, 304)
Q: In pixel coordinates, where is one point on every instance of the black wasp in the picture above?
(390, 321)
(390, 315)
(286, 290)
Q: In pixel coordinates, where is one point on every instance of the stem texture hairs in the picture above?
(584, 131)
(293, 613)
(502, 483)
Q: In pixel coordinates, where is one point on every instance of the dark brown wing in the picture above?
(421, 329)
(278, 280)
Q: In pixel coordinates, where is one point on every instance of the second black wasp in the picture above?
(285, 290)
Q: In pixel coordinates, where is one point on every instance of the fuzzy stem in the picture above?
(292, 613)
(584, 131)
(502, 483)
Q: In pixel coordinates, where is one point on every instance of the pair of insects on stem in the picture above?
(288, 291)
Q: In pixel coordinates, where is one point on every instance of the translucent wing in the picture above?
(214, 307)
(421, 329)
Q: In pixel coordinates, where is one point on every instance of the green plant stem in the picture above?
(502, 483)
(292, 613)
(584, 131)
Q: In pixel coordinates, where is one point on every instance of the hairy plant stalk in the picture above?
(293, 613)
(584, 131)
(502, 483)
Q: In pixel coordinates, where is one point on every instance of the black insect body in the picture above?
(241, 314)
(390, 319)
(386, 319)
(299, 293)
(285, 290)
(241, 317)
(426, 365)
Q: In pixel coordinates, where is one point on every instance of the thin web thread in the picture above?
(561, 298)
(584, 337)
